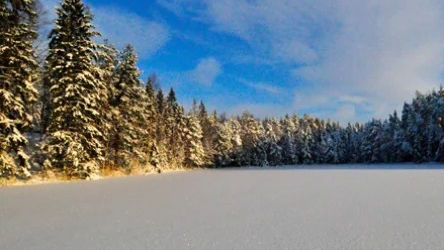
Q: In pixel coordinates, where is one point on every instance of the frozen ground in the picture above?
(231, 209)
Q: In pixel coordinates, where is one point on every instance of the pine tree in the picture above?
(439, 112)
(174, 119)
(253, 146)
(208, 123)
(108, 63)
(407, 149)
(305, 141)
(393, 138)
(194, 151)
(223, 145)
(74, 139)
(288, 141)
(152, 123)
(161, 158)
(131, 135)
(326, 147)
(371, 145)
(306, 154)
(18, 74)
(272, 149)
(149, 88)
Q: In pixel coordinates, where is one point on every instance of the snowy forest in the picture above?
(83, 108)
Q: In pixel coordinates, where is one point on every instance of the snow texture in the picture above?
(233, 209)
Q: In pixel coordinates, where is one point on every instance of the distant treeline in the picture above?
(84, 108)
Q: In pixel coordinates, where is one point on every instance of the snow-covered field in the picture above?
(231, 209)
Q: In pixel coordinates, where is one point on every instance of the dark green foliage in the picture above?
(18, 75)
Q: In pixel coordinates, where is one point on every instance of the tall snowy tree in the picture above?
(270, 142)
(253, 145)
(208, 123)
(174, 119)
(439, 112)
(108, 63)
(223, 145)
(150, 89)
(133, 112)
(74, 139)
(194, 151)
(18, 74)
(288, 141)
(152, 122)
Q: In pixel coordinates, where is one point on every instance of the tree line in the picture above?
(85, 108)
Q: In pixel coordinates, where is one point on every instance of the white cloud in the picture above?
(306, 99)
(380, 51)
(352, 99)
(344, 113)
(267, 87)
(172, 5)
(122, 27)
(206, 71)
(385, 50)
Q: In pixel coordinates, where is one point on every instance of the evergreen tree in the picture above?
(223, 145)
(174, 119)
(74, 136)
(18, 74)
(439, 113)
(152, 123)
(149, 88)
(160, 129)
(194, 152)
(108, 63)
(133, 112)
(208, 123)
(271, 147)
(252, 141)
(371, 141)
(288, 141)
(306, 141)
(235, 134)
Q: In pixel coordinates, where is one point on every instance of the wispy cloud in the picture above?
(345, 112)
(122, 27)
(370, 54)
(267, 87)
(206, 71)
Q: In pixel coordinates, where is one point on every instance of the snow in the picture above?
(285, 208)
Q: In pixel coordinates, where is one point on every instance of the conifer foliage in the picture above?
(132, 112)
(96, 112)
(194, 151)
(18, 74)
(74, 139)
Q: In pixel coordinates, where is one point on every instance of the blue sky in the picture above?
(339, 59)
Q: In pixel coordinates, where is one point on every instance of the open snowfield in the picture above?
(231, 209)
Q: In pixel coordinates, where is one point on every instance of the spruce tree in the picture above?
(208, 123)
(18, 74)
(108, 63)
(131, 103)
(305, 141)
(223, 145)
(252, 143)
(152, 123)
(194, 151)
(174, 119)
(74, 139)
(288, 141)
(149, 88)
(271, 147)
